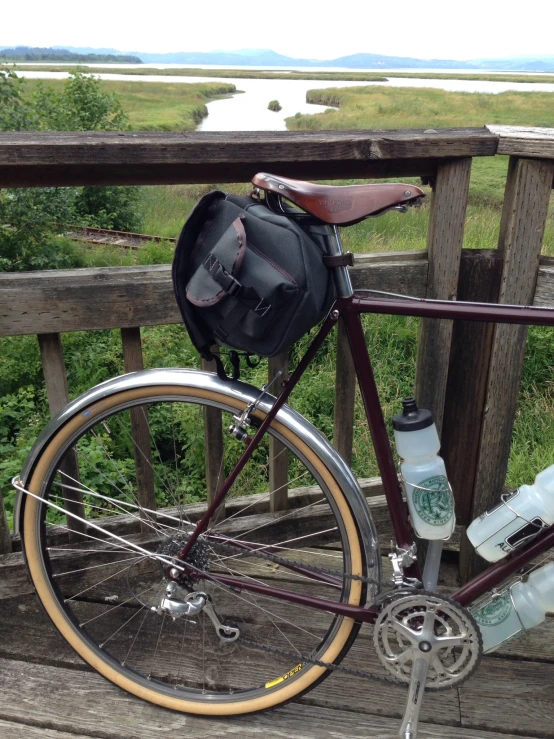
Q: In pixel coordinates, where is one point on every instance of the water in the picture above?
(247, 110)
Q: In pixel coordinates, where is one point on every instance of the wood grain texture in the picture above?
(278, 455)
(345, 392)
(444, 246)
(510, 694)
(521, 233)
(118, 158)
(55, 378)
(467, 378)
(10, 730)
(5, 534)
(126, 297)
(524, 141)
(61, 700)
(140, 429)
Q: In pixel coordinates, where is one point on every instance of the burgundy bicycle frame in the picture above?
(350, 309)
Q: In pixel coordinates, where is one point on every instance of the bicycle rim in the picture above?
(104, 595)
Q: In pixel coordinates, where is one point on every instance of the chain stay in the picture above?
(316, 570)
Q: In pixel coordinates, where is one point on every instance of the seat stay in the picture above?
(339, 205)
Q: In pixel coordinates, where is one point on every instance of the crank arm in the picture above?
(415, 696)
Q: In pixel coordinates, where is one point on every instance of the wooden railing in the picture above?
(467, 374)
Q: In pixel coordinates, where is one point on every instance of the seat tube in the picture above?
(341, 276)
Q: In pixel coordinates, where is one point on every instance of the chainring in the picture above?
(397, 636)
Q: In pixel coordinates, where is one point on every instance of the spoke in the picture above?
(261, 608)
(263, 547)
(122, 626)
(153, 659)
(121, 504)
(294, 512)
(114, 608)
(95, 567)
(96, 584)
(264, 496)
(136, 636)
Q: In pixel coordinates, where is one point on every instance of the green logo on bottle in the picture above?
(495, 612)
(434, 502)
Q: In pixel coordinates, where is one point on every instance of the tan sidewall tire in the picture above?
(31, 534)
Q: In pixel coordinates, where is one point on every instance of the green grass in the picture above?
(161, 106)
(401, 107)
(296, 75)
(244, 74)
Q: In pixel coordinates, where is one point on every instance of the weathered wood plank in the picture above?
(404, 274)
(5, 535)
(345, 393)
(467, 378)
(100, 158)
(278, 455)
(140, 430)
(55, 378)
(125, 297)
(10, 730)
(524, 141)
(64, 700)
(444, 245)
(510, 695)
(521, 232)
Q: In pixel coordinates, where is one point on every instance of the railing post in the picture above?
(214, 453)
(140, 429)
(5, 535)
(444, 246)
(527, 196)
(467, 378)
(278, 455)
(53, 366)
(345, 392)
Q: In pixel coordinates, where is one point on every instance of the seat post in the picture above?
(343, 282)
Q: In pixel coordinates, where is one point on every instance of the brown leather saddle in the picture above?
(340, 204)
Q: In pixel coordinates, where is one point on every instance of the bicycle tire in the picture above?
(143, 660)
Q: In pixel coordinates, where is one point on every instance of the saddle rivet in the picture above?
(407, 193)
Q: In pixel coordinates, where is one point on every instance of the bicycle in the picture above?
(184, 608)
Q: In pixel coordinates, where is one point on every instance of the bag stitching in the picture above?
(273, 264)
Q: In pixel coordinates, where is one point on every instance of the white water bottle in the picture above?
(425, 482)
(518, 609)
(519, 518)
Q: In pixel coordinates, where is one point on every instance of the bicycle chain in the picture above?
(294, 655)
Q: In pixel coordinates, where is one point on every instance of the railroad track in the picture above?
(124, 239)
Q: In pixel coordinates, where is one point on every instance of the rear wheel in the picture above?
(194, 645)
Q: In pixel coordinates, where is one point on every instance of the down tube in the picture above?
(378, 430)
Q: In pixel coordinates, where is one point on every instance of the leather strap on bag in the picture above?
(341, 260)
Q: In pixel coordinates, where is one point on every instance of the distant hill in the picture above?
(37, 54)
(269, 58)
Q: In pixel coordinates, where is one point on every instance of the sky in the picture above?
(314, 29)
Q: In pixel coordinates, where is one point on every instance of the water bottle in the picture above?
(425, 482)
(518, 609)
(519, 518)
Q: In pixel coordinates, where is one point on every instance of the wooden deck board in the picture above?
(62, 700)
(37, 666)
(47, 692)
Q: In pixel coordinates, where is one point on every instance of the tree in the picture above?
(30, 219)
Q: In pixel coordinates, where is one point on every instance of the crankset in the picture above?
(428, 641)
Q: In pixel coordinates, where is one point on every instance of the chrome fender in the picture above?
(246, 394)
